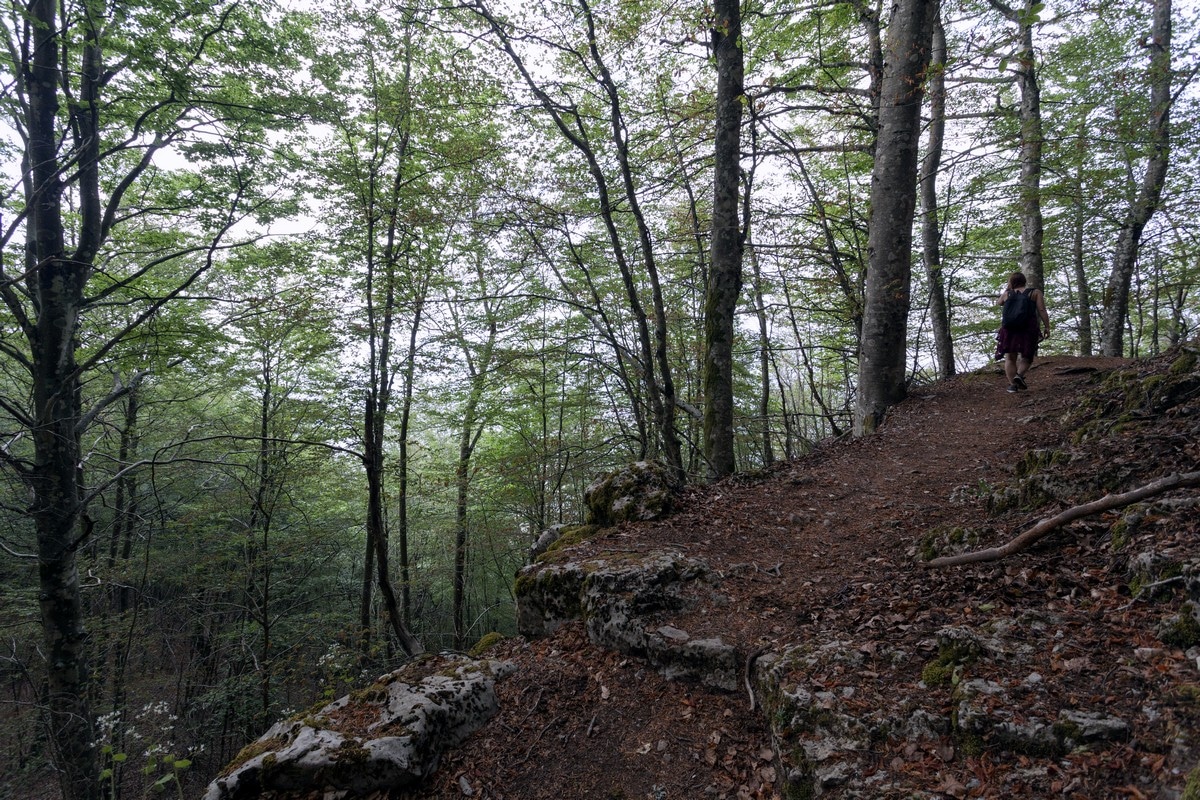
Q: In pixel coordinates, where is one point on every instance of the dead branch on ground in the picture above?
(1050, 524)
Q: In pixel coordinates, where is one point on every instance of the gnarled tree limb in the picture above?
(1038, 531)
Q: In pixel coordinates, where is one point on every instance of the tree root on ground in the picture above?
(1050, 524)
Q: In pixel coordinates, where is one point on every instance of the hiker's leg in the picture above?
(1010, 366)
(1022, 366)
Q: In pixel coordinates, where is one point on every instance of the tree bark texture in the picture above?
(725, 273)
(881, 366)
(931, 235)
(467, 439)
(1116, 293)
(56, 280)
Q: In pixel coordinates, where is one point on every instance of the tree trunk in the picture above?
(931, 235)
(1116, 293)
(410, 369)
(57, 280)
(1079, 222)
(881, 365)
(468, 437)
(1032, 231)
(653, 352)
(725, 273)
(377, 529)
(764, 360)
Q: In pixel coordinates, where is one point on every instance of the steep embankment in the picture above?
(1065, 671)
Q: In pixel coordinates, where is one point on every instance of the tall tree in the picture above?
(1032, 231)
(725, 272)
(881, 367)
(931, 231)
(617, 193)
(1143, 206)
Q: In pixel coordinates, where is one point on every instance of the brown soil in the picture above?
(823, 549)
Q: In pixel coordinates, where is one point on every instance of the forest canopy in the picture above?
(316, 315)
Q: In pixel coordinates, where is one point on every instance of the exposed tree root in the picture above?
(1046, 526)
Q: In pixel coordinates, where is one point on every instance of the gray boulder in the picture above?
(412, 716)
(637, 492)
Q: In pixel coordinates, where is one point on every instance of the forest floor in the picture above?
(825, 548)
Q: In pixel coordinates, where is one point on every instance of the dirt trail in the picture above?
(815, 550)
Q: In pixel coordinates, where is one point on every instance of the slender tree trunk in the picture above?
(764, 359)
(653, 356)
(931, 234)
(882, 352)
(725, 273)
(1116, 293)
(367, 590)
(1032, 231)
(1079, 221)
(377, 528)
(410, 371)
(468, 437)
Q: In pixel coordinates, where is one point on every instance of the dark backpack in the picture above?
(1019, 309)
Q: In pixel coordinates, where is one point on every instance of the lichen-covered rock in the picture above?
(548, 595)
(637, 492)
(823, 741)
(415, 713)
(621, 599)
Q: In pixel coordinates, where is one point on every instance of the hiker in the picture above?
(1024, 323)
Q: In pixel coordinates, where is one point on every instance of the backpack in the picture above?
(1019, 309)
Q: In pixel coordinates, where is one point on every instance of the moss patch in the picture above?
(571, 536)
(254, 750)
(486, 643)
(1182, 631)
(1191, 789)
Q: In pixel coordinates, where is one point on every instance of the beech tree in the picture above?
(725, 275)
(1030, 115)
(931, 229)
(591, 119)
(1143, 206)
(881, 369)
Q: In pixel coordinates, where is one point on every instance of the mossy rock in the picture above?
(948, 540)
(253, 750)
(1184, 364)
(486, 642)
(1191, 789)
(638, 492)
(570, 536)
(1040, 460)
(1181, 630)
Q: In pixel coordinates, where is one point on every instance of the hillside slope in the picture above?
(920, 682)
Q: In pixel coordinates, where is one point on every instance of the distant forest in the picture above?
(315, 315)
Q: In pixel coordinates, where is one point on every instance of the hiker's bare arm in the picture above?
(1045, 317)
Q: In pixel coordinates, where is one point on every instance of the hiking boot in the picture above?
(1012, 388)
(1019, 382)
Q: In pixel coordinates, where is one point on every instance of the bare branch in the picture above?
(1050, 524)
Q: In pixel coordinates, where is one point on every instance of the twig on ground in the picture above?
(1046, 526)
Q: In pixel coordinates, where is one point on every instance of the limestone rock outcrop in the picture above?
(390, 735)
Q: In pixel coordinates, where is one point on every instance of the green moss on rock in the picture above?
(254, 750)
(1182, 631)
(487, 642)
(1191, 789)
(571, 536)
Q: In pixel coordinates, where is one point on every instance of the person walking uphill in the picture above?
(1023, 324)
